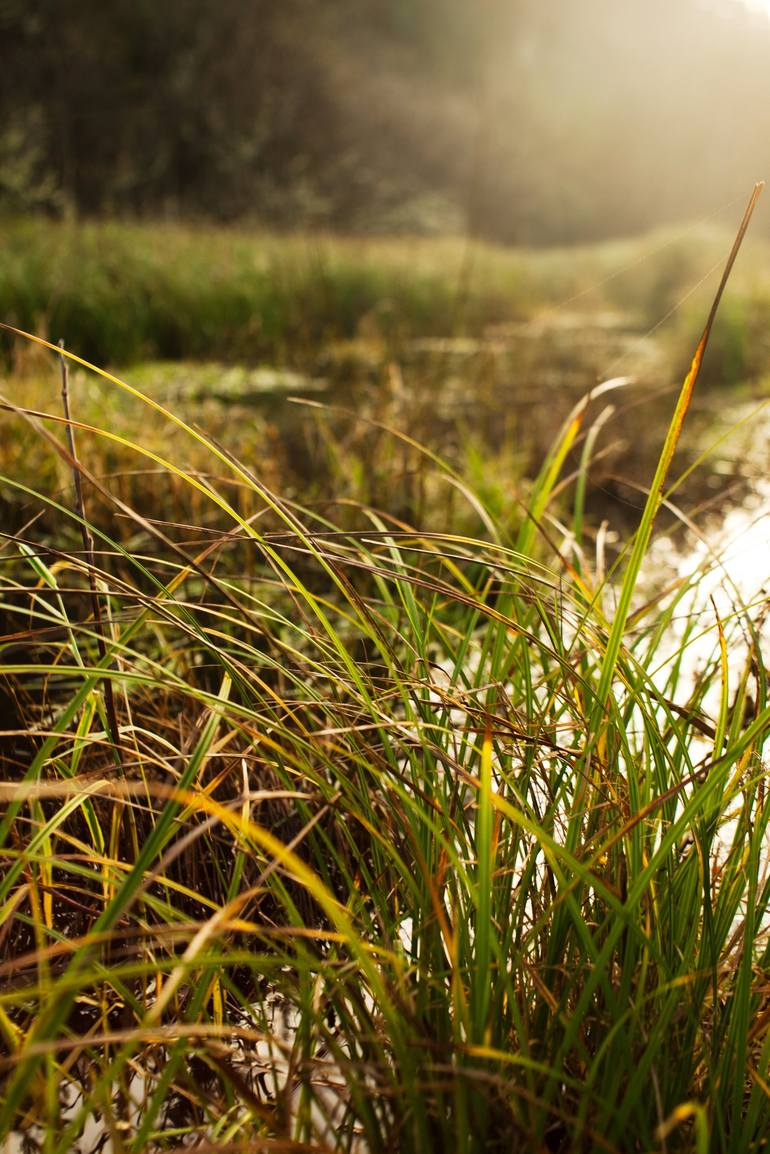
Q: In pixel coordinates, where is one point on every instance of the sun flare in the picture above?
(760, 6)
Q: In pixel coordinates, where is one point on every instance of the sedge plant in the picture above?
(416, 839)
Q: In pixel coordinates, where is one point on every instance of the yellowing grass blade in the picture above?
(655, 497)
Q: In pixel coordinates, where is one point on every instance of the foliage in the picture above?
(530, 121)
(409, 839)
(125, 292)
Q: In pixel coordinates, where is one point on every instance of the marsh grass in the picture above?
(125, 292)
(420, 839)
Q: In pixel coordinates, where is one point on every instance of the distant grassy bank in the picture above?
(119, 293)
(124, 292)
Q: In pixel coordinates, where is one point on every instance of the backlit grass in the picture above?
(410, 838)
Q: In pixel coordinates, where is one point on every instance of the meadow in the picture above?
(355, 797)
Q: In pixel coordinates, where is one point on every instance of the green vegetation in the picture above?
(126, 292)
(367, 784)
(331, 827)
(120, 293)
(354, 805)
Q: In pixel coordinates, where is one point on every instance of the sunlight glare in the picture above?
(760, 6)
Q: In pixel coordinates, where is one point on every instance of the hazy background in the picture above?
(529, 121)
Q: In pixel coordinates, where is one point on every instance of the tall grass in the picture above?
(124, 292)
(417, 839)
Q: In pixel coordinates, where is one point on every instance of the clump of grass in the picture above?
(420, 840)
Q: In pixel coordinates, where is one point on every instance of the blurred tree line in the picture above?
(524, 120)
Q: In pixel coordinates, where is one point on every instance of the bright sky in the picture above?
(759, 6)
